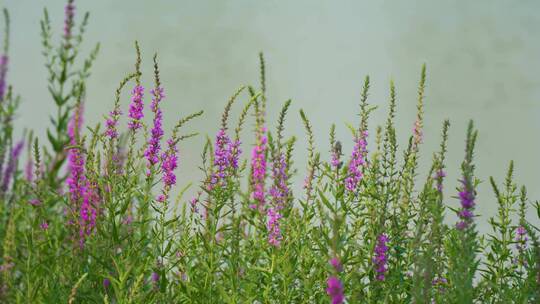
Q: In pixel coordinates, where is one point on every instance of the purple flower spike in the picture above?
(226, 154)
(466, 215)
(112, 123)
(335, 290)
(136, 108)
(358, 161)
(68, 21)
(521, 239)
(154, 143)
(279, 193)
(336, 264)
(258, 172)
(169, 163)
(380, 259)
(274, 233)
(11, 165)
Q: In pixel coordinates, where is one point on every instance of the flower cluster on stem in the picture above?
(466, 197)
(169, 163)
(380, 258)
(154, 143)
(358, 161)
(136, 108)
(226, 154)
(258, 171)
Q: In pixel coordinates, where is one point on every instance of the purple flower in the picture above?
(521, 239)
(279, 193)
(280, 190)
(335, 162)
(3, 75)
(68, 21)
(112, 123)
(274, 233)
(258, 171)
(440, 283)
(154, 143)
(11, 165)
(335, 290)
(155, 277)
(439, 175)
(466, 197)
(106, 283)
(136, 108)
(380, 259)
(82, 193)
(34, 202)
(357, 162)
(336, 264)
(29, 170)
(169, 163)
(76, 180)
(44, 225)
(226, 154)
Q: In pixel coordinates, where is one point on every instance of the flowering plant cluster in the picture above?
(94, 213)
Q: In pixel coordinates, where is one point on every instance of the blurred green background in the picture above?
(483, 58)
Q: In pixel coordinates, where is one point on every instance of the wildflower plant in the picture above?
(97, 214)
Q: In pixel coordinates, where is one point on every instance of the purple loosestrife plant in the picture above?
(306, 249)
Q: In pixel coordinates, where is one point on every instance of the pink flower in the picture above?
(335, 290)
(136, 108)
(258, 172)
(358, 161)
(154, 143)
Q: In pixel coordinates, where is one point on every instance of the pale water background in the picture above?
(483, 59)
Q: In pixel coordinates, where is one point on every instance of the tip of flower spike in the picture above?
(336, 264)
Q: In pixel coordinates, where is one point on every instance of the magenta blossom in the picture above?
(111, 124)
(154, 143)
(226, 154)
(136, 108)
(336, 264)
(258, 172)
(68, 21)
(169, 163)
(466, 197)
(274, 233)
(279, 193)
(380, 258)
(358, 161)
(335, 290)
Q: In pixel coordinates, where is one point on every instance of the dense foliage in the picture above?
(93, 215)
